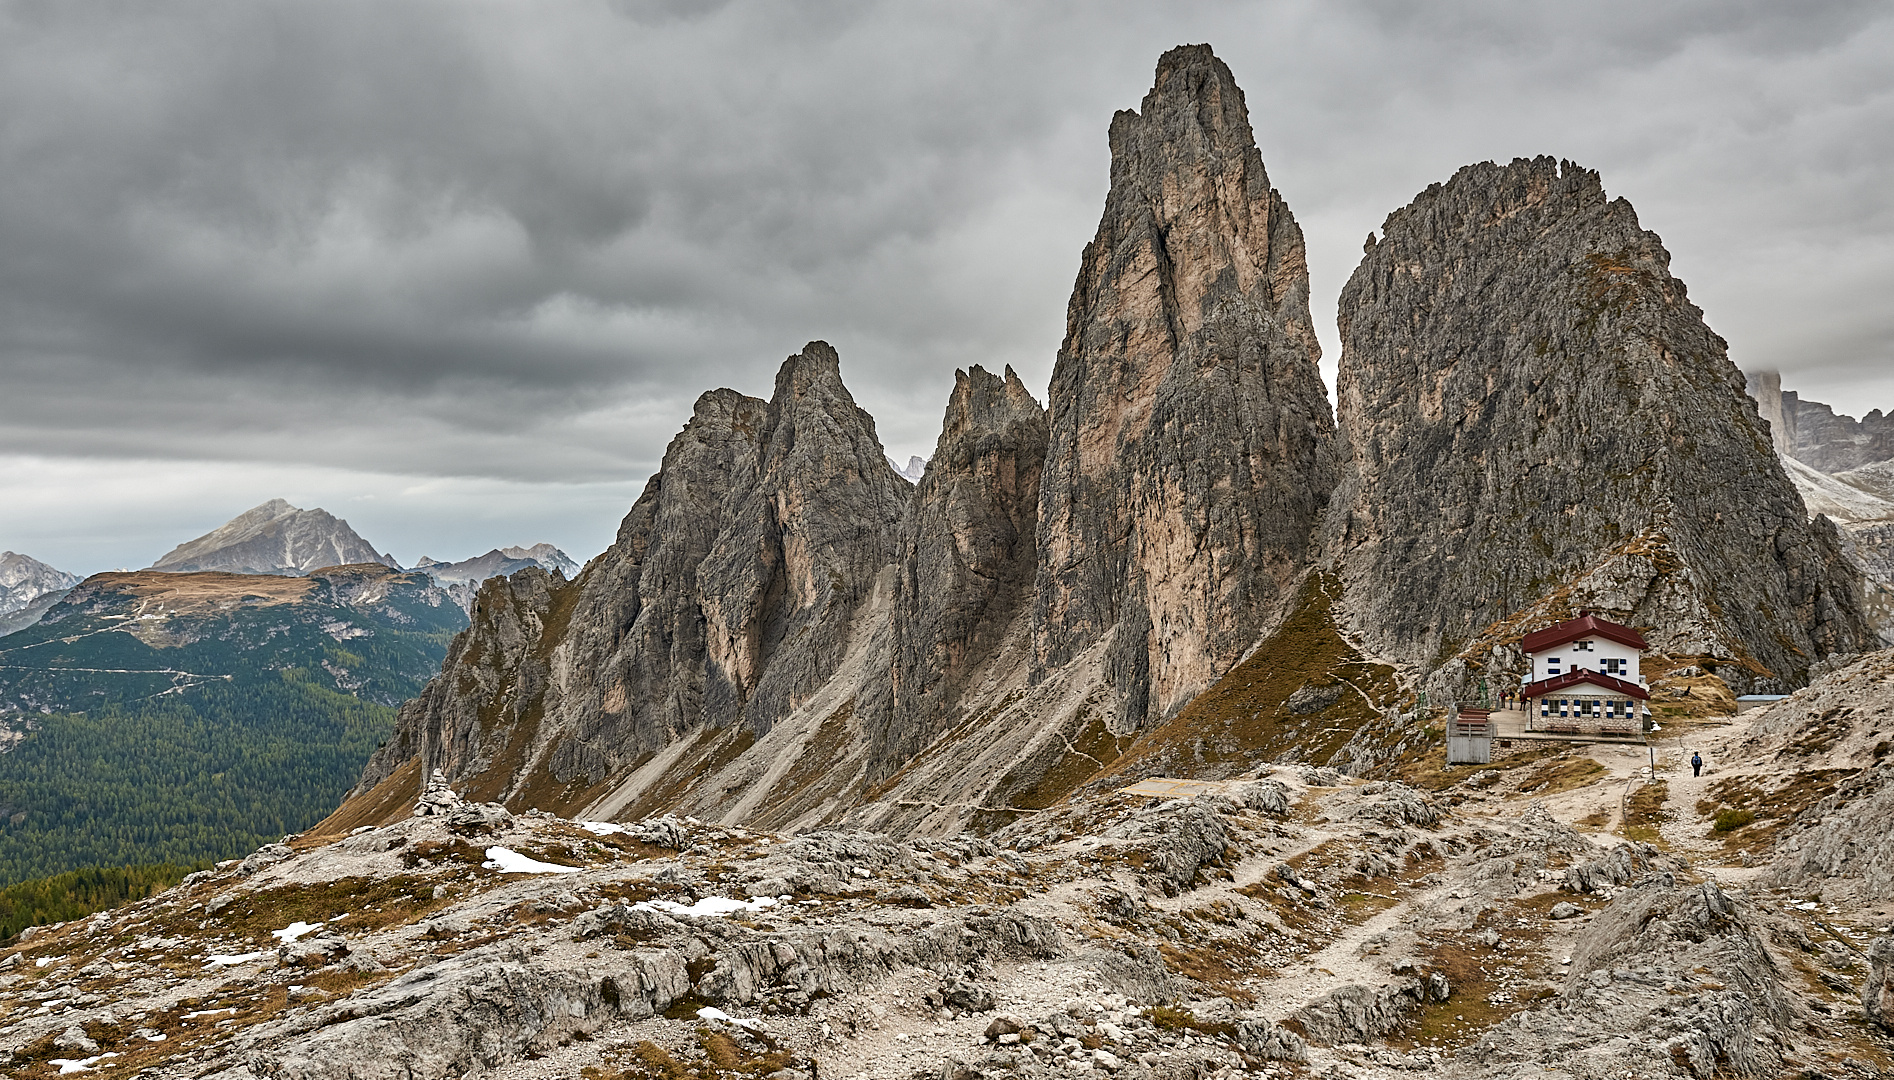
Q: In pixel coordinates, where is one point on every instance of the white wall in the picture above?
(1571, 657)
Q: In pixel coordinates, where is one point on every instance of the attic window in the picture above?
(1581, 646)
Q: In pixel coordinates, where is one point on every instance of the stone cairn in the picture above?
(438, 798)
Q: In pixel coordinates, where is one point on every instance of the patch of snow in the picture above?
(293, 931)
(711, 1012)
(79, 1065)
(232, 959)
(508, 861)
(207, 1012)
(45, 960)
(709, 905)
(600, 828)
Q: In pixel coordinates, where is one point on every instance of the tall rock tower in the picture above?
(1535, 419)
(1189, 430)
(965, 568)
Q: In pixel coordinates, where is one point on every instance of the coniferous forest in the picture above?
(210, 730)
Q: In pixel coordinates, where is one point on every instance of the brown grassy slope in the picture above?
(1244, 719)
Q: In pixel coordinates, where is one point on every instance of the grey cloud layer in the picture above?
(515, 241)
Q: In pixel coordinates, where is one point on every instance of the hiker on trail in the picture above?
(1696, 764)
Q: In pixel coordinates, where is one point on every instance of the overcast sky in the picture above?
(457, 271)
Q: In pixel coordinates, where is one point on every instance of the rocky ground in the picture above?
(1554, 915)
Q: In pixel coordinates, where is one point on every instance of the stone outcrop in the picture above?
(1627, 975)
(1835, 845)
(1190, 431)
(1356, 1013)
(966, 565)
(1877, 996)
(1536, 419)
(274, 538)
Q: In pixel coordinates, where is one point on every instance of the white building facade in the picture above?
(1585, 673)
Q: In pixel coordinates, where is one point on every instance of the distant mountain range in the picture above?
(27, 588)
(462, 579)
(219, 699)
(274, 539)
(1844, 469)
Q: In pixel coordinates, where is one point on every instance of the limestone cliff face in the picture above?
(1190, 432)
(966, 565)
(1535, 419)
(728, 599)
(801, 549)
(1834, 443)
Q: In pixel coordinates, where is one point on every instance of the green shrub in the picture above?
(1731, 820)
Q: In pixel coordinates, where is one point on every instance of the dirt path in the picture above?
(1684, 829)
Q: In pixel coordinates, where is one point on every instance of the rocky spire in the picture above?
(1536, 419)
(802, 547)
(728, 597)
(1190, 432)
(966, 564)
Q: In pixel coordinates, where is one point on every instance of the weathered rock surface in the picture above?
(730, 596)
(1834, 731)
(802, 548)
(1535, 419)
(1626, 862)
(1189, 455)
(1357, 928)
(1683, 969)
(1877, 996)
(1835, 443)
(966, 565)
(274, 538)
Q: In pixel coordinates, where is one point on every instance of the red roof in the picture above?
(1586, 625)
(1584, 675)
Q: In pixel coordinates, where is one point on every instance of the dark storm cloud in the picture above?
(513, 242)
